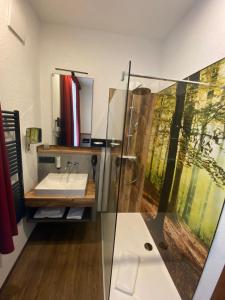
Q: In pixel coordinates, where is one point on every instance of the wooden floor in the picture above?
(60, 261)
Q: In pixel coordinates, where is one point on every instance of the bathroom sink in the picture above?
(62, 184)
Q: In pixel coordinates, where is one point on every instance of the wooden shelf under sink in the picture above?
(87, 217)
(88, 200)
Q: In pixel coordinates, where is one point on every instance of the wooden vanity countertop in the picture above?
(69, 150)
(34, 200)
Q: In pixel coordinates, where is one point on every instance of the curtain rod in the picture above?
(68, 70)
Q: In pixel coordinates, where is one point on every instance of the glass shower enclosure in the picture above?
(164, 181)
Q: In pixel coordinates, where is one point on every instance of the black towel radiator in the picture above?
(11, 126)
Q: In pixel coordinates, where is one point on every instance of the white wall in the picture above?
(19, 89)
(102, 55)
(197, 42)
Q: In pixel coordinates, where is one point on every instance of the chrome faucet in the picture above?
(69, 167)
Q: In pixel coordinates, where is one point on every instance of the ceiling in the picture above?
(148, 18)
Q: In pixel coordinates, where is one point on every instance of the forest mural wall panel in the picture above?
(184, 183)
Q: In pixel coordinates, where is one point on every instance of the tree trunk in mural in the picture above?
(194, 179)
(185, 137)
(154, 142)
(190, 194)
(160, 155)
(207, 195)
(203, 210)
(172, 154)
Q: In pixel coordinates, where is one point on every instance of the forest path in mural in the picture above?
(185, 255)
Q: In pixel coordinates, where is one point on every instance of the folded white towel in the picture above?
(49, 212)
(75, 213)
(127, 272)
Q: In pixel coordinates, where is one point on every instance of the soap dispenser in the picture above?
(58, 162)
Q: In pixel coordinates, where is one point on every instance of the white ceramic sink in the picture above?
(63, 184)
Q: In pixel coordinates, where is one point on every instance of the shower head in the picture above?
(141, 91)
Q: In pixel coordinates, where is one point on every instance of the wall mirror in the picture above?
(72, 100)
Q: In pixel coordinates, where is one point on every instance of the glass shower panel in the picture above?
(113, 158)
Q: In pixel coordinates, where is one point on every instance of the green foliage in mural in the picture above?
(198, 188)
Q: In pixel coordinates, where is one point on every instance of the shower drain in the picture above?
(148, 246)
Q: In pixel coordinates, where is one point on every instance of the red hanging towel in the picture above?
(8, 226)
(67, 110)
